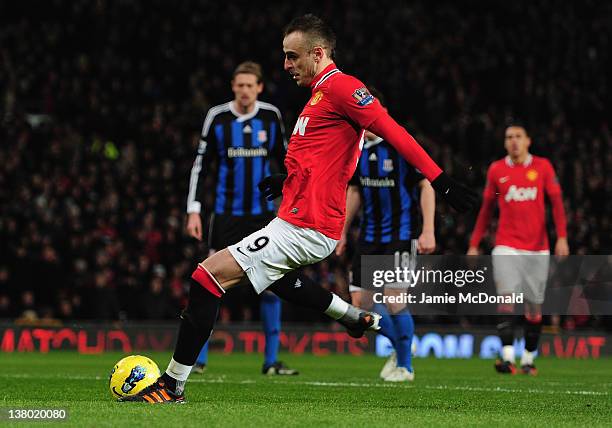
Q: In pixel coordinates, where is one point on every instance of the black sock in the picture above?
(505, 329)
(532, 329)
(197, 321)
(301, 290)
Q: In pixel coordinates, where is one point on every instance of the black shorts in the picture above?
(402, 248)
(226, 230)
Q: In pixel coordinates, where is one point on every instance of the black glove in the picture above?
(460, 197)
(272, 186)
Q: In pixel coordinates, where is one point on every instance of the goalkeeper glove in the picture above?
(272, 186)
(460, 197)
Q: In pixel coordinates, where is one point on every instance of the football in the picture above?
(131, 375)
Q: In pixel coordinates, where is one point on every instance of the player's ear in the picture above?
(318, 53)
(260, 88)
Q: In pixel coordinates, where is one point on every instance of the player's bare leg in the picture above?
(532, 328)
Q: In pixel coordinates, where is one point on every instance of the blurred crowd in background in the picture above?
(102, 104)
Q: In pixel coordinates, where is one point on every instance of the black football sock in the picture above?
(197, 321)
(532, 331)
(299, 289)
(505, 329)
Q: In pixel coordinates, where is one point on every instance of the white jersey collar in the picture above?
(527, 162)
(242, 117)
(372, 143)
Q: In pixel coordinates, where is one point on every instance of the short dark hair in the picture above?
(317, 31)
(377, 94)
(249, 67)
(515, 123)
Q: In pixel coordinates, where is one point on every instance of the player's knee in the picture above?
(224, 268)
(355, 296)
(533, 313)
(533, 318)
(396, 308)
(206, 280)
(505, 308)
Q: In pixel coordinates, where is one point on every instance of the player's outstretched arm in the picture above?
(427, 240)
(555, 195)
(456, 194)
(482, 223)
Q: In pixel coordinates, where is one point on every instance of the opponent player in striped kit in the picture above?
(518, 183)
(321, 158)
(386, 187)
(244, 137)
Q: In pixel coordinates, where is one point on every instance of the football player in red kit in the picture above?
(321, 158)
(518, 184)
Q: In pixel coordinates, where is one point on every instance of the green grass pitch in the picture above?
(330, 391)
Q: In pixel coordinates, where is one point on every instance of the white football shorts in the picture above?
(521, 271)
(269, 253)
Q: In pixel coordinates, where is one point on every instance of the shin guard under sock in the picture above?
(301, 290)
(505, 329)
(532, 331)
(404, 329)
(197, 321)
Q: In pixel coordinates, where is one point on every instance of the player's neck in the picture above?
(519, 160)
(322, 65)
(243, 109)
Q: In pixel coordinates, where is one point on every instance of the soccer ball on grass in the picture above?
(131, 375)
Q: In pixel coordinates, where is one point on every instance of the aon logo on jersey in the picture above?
(300, 125)
(520, 194)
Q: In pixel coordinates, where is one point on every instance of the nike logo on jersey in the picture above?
(240, 251)
(300, 125)
(504, 179)
(520, 194)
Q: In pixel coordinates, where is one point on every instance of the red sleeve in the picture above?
(352, 99)
(486, 210)
(553, 190)
(551, 183)
(388, 129)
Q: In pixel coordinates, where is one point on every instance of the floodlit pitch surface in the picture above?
(330, 391)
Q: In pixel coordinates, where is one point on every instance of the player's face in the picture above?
(299, 60)
(246, 89)
(516, 142)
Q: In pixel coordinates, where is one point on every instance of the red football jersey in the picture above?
(519, 191)
(323, 151)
